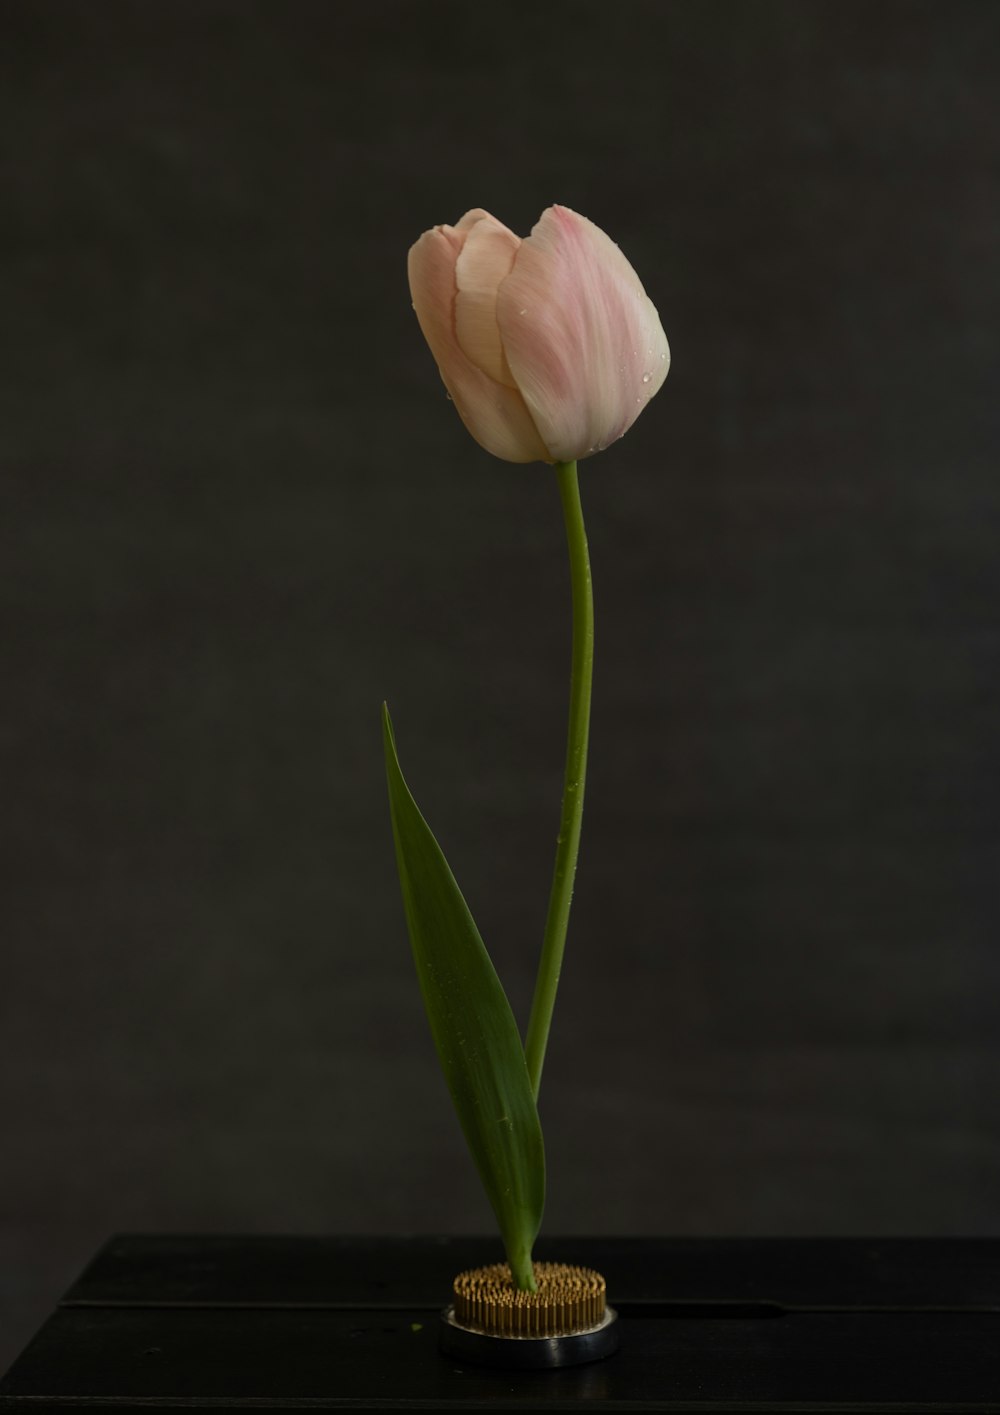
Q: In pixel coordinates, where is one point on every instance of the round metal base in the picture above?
(528, 1352)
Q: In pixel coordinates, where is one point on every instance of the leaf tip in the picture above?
(388, 736)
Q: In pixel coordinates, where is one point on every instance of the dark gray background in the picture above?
(238, 512)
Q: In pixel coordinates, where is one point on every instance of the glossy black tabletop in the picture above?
(350, 1324)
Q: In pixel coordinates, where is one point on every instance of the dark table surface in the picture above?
(350, 1324)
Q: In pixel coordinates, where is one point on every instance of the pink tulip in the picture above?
(549, 347)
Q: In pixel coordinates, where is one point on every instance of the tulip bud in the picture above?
(549, 347)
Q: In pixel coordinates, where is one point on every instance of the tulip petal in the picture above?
(582, 338)
(494, 414)
(484, 260)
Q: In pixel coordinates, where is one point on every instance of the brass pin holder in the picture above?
(566, 1322)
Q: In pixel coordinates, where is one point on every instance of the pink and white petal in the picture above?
(474, 214)
(486, 258)
(494, 414)
(583, 340)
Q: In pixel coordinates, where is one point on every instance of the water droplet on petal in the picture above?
(522, 311)
(646, 377)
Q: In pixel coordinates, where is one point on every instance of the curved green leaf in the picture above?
(474, 1029)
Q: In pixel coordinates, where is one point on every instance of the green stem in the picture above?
(522, 1269)
(568, 841)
